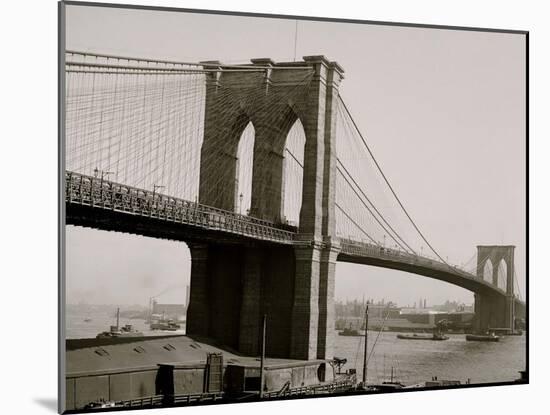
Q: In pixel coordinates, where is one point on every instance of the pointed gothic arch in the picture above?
(293, 173)
(488, 271)
(502, 273)
(244, 170)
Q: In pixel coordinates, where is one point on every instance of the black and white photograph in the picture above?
(261, 207)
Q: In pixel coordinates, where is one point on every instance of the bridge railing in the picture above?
(352, 247)
(100, 193)
(332, 387)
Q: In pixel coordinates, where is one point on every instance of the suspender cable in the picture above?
(388, 183)
(376, 210)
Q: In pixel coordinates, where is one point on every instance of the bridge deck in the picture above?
(365, 253)
(92, 192)
(103, 194)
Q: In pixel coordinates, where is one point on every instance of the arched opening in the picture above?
(502, 274)
(293, 175)
(488, 271)
(243, 179)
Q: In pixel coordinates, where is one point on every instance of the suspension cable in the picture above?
(375, 209)
(356, 224)
(388, 183)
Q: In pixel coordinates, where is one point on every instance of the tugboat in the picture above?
(164, 324)
(116, 331)
(434, 336)
(349, 332)
(489, 337)
(437, 333)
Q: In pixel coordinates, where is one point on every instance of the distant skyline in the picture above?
(83, 302)
(389, 300)
(443, 110)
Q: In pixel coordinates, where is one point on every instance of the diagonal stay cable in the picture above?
(356, 224)
(375, 208)
(388, 183)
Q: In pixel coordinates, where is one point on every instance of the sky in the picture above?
(442, 110)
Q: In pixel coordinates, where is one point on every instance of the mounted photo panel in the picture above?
(264, 207)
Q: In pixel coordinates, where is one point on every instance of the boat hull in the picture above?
(481, 338)
(432, 338)
(351, 333)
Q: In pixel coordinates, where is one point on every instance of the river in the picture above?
(413, 361)
(416, 361)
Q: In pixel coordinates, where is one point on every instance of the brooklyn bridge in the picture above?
(262, 171)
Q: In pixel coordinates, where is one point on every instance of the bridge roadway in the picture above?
(103, 204)
(133, 210)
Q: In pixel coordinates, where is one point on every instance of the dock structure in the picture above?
(176, 370)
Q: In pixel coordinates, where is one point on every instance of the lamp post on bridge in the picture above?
(103, 175)
(155, 187)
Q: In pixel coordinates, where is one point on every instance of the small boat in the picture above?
(434, 336)
(349, 332)
(165, 325)
(87, 320)
(387, 386)
(116, 331)
(505, 331)
(124, 331)
(435, 383)
(492, 337)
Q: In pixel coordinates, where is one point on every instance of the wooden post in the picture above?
(365, 351)
(262, 363)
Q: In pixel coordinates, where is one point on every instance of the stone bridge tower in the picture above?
(490, 310)
(233, 286)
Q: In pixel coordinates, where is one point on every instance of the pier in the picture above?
(180, 370)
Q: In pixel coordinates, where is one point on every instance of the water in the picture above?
(413, 361)
(77, 328)
(416, 361)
